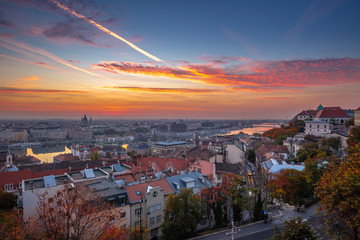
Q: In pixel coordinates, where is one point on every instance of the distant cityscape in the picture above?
(124, 160)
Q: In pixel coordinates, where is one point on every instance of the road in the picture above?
(260, 230)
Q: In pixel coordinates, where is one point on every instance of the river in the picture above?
(260, 128)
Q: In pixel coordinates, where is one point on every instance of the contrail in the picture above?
(48, 55)
(102, 28)
(22, 60)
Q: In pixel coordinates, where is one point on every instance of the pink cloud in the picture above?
(255, 75)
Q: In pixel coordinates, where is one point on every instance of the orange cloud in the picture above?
(258, 76)
(274, 98)
(164, 90)
(32, 78)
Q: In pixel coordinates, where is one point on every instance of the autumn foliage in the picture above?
(280, 134)
(339, 192)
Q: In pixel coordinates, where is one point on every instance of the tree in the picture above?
(8, 201)
(250, 155)
(354, 136)
(311, 150)
(115, 233)
(333, 142)
(291, 186)
(339, 193)
(229, 195)
(311, 138)
(73, 213)
(349, 122)
(9, 217)
(234, 185)
(182, 214)
(295, 228)
(95, 155)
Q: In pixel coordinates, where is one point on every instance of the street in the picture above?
(261, 230)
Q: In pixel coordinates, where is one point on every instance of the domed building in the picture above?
(320, 107)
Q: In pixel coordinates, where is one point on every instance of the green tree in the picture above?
(8, 201)
(182, 214)
(295, 229)
(10, 227)
(311, 138)
(333, 142)
(95, 156)
(354, 136)
(349, 122)
(339, 191)
(250, 155)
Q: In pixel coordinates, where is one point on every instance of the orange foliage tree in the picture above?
(339, 193)
(75, 213)
(291, 186)
(227, 194)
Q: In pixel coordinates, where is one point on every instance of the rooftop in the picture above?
(167, 144)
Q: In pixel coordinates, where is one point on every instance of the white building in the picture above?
(318, 128)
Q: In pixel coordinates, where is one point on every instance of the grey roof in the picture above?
(170, 143)
(117, 167)
(107, 189)
(49, 181)
(180, 180)
(89, 173)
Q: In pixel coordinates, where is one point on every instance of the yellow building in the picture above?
(357, 117)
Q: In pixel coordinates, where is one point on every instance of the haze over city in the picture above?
(183, 59)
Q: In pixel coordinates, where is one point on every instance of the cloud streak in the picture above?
(102, 28)
(163, 90)
(48, 55)
(40, 64)
(255, 75)
(21, 90)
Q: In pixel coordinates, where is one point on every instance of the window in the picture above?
(152, 221)
(123, 214)
(190, 184)
(138, 211)
(20, 184)
(158, 218)
(151, 209)
(318, 126)
(310, 125)
(155, 193)
(11, 186)
(324, 126)
(122, 200)
(6, 187)
(138, 193)
(158, 206)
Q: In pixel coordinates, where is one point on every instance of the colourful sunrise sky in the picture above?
(177, 59)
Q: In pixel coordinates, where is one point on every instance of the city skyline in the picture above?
(164, 59)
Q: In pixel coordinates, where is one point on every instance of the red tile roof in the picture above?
(66, 157)
(265, 149)
(16, 177)
(332, 112)
(162, 164)
(308, 113)
(134, 197)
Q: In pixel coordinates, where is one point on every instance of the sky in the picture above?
(200, 59)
